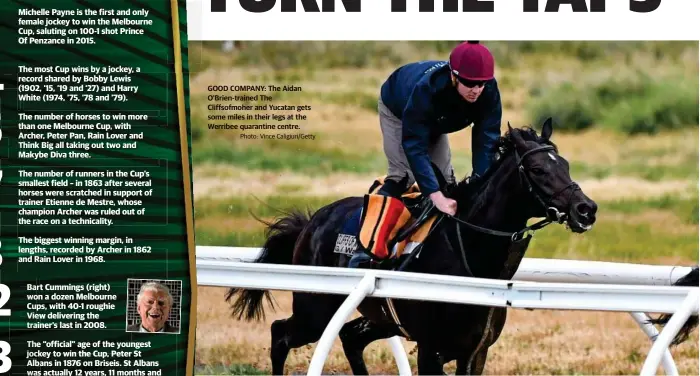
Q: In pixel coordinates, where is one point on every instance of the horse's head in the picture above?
(545, 174)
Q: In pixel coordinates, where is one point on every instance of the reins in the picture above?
(514, 236)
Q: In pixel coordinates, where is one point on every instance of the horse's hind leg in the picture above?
(310, 316)
(355, 336)
(280, 346)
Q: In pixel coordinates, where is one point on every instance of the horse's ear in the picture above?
(547, 129)
(514, 135)
(509, 132)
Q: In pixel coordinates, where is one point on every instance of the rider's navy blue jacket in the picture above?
(422, 95)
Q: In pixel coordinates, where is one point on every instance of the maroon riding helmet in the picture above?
(472, 61)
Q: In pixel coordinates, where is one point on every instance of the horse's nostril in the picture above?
(584, 210)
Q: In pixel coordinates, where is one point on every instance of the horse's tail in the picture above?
(278, 249)
(690, 280)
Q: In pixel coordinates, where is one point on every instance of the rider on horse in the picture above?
(420, 103)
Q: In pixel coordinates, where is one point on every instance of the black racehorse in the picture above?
(487, 239)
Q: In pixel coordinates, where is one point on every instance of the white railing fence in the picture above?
(538, 284)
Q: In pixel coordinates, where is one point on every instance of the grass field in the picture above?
(626, 117)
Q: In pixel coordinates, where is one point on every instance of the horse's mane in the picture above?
(465, 190)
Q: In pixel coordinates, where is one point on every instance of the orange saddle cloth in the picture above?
(383, 217)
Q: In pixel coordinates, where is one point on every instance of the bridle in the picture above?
(552, 213)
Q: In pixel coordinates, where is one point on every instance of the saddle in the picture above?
(392, 223)
(421, 210)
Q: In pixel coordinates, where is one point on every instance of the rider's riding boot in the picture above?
(359, 259)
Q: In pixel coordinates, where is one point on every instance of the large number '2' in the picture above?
(4, 298)
(5, 361)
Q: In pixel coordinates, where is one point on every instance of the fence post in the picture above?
(400, 356)
(365, 287)
(667, 361)
(663, 341)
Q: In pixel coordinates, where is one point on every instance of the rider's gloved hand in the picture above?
(444, 204)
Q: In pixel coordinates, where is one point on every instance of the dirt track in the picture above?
(533, 342)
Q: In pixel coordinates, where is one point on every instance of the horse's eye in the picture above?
(537, 171)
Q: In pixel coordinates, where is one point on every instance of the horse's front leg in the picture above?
(472, 365)
(473, 360)
(429, 360)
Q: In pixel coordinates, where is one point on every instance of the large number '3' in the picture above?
(5, 361)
